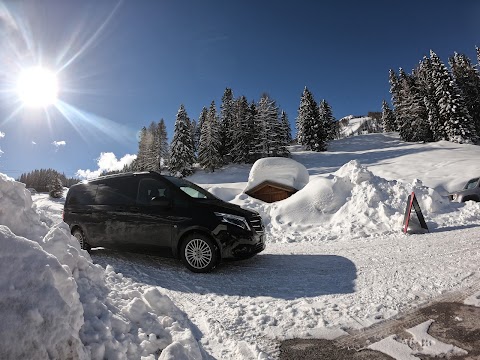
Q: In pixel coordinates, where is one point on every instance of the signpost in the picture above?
(412, 202)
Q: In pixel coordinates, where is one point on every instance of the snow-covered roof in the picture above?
(279, 170)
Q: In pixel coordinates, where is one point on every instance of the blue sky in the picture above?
(125, 64)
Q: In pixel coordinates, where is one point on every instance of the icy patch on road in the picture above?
(421, 344)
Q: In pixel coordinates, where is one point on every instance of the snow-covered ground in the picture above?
(336, 258)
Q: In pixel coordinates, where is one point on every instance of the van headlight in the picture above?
(234, 220)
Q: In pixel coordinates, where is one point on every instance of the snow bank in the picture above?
(355, 203)
(39, 304)
(16, 211)
(281, 170)
(55, 303)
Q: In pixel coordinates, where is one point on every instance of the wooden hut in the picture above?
(275, 179)
(270, 191)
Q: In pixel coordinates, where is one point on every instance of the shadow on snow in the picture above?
(285, 277)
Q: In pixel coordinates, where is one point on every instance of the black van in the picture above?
(151, 213)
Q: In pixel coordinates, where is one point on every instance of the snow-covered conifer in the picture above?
(163, 148)
(198, 130)
(142, 150)
(328, 121)
(56, 187)
(227, 114)
(210, 141)
(388, 118)
(307, 116)
(243, 132)
(266, 126)
(467, 79)
(453, 113)
(181, 148)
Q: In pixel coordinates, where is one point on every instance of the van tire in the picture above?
(81, 239)
(199, 253)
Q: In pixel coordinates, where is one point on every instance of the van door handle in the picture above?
(134, 209)
(120, 208)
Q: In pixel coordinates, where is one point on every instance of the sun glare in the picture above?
(37, 87)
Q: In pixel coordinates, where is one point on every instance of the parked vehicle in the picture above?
(471, 191)
(155, 214)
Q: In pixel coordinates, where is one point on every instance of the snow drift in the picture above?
(55, 303)
(353, 202)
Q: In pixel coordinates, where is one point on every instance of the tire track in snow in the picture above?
(204, 313)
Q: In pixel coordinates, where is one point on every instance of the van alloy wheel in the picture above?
(199, 253)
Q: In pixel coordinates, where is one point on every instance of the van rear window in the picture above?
(81, 195)
(116, 193)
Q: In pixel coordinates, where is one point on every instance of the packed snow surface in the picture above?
(280, 170)
(336, 258)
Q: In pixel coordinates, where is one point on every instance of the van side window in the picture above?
(82, 194)
(116, 193)
(149, 189)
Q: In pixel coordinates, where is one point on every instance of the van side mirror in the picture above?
(160, 201)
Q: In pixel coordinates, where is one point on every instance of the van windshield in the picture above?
(190, 188)
(471, 184)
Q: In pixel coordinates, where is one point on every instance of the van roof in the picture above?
(120, 175)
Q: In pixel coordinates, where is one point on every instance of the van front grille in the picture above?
(256, 223)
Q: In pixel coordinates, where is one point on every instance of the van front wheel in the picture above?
(199, 253)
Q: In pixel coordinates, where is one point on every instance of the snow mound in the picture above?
(281, 170)
(352, 202)
(39, 304)
(16, 211)
(55, 303)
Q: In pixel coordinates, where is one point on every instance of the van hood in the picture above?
(218, 205)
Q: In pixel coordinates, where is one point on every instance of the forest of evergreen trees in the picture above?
(434, 103)
(44, 180)
(241, 132)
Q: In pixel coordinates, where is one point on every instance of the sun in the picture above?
(37, 87)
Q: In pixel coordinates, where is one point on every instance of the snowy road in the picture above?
(308, 289)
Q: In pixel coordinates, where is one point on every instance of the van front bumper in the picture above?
(237, 243)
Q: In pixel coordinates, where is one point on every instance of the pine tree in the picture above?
(388, 118)
(198, 130)
(285, 134)
(307, 116)
(452, 110)
(142, 150)
(56, 187)
(478, 54)
(425, 78)
(327, 120)
(243, 132)
(467, 80)
(266, 127)
(420, 121)
(252, 113)
(163, 149)
(151, 159)
(210, 141)
(181, 148)
(395, 93)
(227, 113)
(310, 129)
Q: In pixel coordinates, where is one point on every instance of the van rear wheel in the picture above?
(81, 239)
(199, 253)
